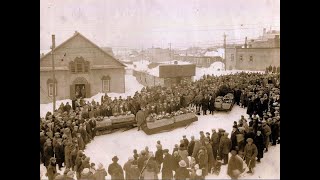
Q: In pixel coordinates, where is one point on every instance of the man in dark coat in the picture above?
(185, 140)
(42, 142)
(141, 160)
(234, 133)
(159, 155)
(211, 104)
(47, 153)
(274, 131)
(225, 147)
(205, 105)
(215, 143)
(59, 152)
(167, 168)
(191, 146)
(67, 107)
(141, 118)
(211, 160)
(259, 142)
(235, 165)
(115, 170)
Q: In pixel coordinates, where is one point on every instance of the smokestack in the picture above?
(245, 43)
(264, 31)
(53, 41)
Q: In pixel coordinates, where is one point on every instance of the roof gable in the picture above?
(76, 35)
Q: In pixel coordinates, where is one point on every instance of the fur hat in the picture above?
(182, 163)
(165, 151)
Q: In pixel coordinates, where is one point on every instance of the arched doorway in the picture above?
(80, 88)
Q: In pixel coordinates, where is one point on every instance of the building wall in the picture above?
(80, 47)
(230, 63)
(262, 58)
(199, 61)
(65, 79)
(147, 79)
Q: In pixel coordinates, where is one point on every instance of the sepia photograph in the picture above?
(159, 90)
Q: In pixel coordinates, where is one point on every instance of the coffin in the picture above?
(169, 124)
(122, 119)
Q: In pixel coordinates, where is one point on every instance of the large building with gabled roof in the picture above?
(82, 69)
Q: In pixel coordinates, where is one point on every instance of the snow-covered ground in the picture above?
(132, 85)
(103, 148)
(217, 69)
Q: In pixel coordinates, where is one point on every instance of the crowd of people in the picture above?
(65, 133)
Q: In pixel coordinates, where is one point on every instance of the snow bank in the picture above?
(217, 69)
(132, 85)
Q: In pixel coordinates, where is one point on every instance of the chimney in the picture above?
(245, 43)
(264, 31)
(53, 41)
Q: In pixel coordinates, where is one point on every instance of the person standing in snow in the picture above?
(141, 118)
(182, 173)
(100, 173)
(225, 147)
(259, 142)
(215, 143)
(115, 170)
(267, 132)
(127, 168)
(235, 165)
(51, 170)
(167, 168)
(159, 155)
(250, 154)
(191, 146)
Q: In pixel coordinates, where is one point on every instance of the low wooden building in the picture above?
(82, 69)
(166, 75)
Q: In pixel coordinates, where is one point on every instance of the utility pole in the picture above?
(225, 50)
(170, 53)
(53, 74)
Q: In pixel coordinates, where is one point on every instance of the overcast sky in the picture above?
(143, 23)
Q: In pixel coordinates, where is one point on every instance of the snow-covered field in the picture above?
(103, 148)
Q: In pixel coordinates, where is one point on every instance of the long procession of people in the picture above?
(65, 133)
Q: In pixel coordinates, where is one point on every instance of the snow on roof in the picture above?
(218, 52)
(142, 66)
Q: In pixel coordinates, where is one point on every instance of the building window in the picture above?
(232, 57)
(251, 58)
(241, 58)
(105, 84)
(50, 86)
(79, 65)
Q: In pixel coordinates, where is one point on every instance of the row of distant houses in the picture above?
(83, 69)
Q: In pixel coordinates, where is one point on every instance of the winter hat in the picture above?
(85, 171)
(226, 134)
(166, 151)
(213, 130)
(143, 152)
(182, 163)
(199, 172)
(115, 159)
(249, 140)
